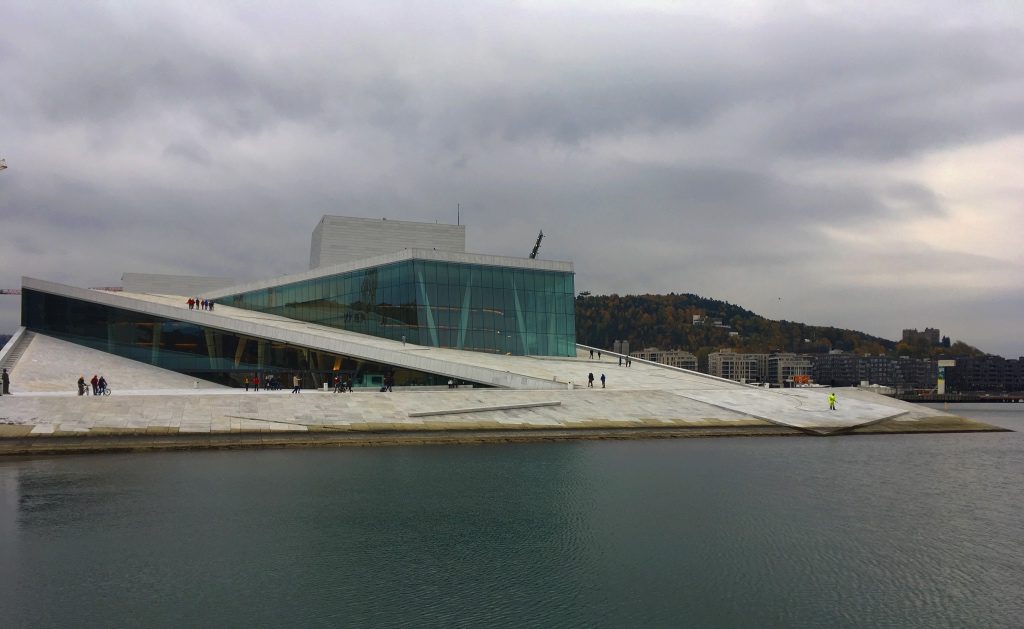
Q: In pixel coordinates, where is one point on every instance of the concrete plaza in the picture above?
(640, 400)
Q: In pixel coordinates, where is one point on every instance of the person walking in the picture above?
(296, 383)
(831, 401)
(591, 354)
(590, 380)
(191, 303)
(247, 384)
(602, 381)
(81, 385)
(6, 379)
(95, 382)
(256, 383)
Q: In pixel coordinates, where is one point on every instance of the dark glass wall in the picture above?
(439, 304)
(199, 351)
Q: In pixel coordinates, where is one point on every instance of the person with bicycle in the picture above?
(103, 386)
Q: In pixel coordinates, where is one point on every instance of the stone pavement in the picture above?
(186, 411)
(149, 400)
(52, 365)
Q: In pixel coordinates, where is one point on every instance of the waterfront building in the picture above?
(784, 367)
(993, 374)
(841, 369)
(424, 297)
(674, 358)
(836, 368)
(728, 364)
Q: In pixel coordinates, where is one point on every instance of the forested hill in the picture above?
(667, 322)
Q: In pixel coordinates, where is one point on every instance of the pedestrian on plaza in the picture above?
(95, 382)
(81, 385)
(6, 383)
(602, 381)
(211, 305)
(191, 303)
(620, 361)
(599, 354)
(247, 384)
(349, 383)
(590, 380)
(102, 385)
(591, 354)
(451, 383)
(831, 401)
(256, 383)
(296, 383)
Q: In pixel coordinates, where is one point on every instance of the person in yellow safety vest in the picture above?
(831, 401)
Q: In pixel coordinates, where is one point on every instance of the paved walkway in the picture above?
(149, 400)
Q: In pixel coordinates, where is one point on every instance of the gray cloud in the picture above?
(662, 151)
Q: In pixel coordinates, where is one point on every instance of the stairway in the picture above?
(15, 349)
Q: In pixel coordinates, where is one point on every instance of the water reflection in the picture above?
(910, 531)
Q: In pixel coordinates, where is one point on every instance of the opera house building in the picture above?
(412, 284)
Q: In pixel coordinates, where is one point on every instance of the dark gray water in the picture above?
(874, 531)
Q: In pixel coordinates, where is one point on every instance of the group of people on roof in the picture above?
(194, 303)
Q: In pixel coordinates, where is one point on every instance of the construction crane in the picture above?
(536, 247)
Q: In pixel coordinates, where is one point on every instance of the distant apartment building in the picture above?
(840, 369)
(726, 363)
(930, 334)
(783, 367)
(836, 368)
(673, 358)
(992, 374)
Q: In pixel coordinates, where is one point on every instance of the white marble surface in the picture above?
(145, 396)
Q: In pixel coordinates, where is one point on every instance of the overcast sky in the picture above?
(860, 165)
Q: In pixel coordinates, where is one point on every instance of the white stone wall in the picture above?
(340, 239)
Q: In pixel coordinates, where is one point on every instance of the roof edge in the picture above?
(479, 259)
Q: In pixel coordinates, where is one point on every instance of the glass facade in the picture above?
(439, 304)
(199, 351)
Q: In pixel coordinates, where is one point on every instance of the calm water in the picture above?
(883, 531)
